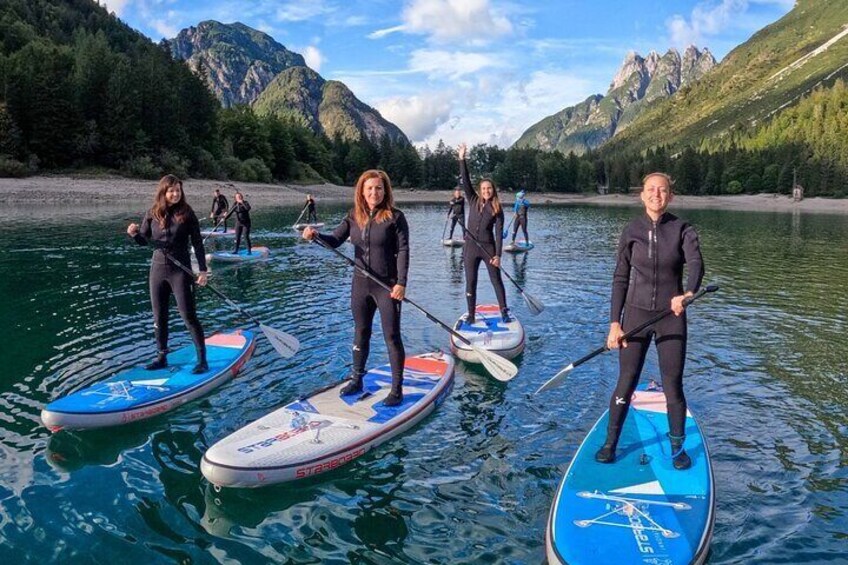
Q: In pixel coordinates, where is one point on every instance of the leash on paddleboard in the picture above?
(533, 304)
(558, 378)
(500, 368)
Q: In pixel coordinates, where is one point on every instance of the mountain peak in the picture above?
(243, 65)
(239, 61)
(638, 82)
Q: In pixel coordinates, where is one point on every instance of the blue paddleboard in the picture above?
(639, 509)
(137, 394)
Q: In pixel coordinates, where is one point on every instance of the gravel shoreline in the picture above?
(118, 192)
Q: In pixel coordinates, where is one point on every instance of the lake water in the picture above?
(766, 377)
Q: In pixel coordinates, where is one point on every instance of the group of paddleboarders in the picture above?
(647, 280)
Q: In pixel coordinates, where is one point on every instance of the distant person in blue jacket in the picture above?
(520, 209)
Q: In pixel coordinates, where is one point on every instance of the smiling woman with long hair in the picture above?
(380, 237)
(168, 227)
(648, 279)
(485, 224)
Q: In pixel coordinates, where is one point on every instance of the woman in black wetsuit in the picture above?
(485, 224)
(380, 236)
(456, 210)
(311, 216)
(168, 227)
(648, 279)
(242, 211)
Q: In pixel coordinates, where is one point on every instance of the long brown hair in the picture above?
(496, 202)
(360, 206)
(159, 211)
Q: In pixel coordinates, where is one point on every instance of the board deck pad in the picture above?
(137, 388)
(638, 509)
(324, 430)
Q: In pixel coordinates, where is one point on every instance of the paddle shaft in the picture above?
(301, 214)
(213, 289)
(221, 221)
(640, 327)
(377, 280)
(506, 229)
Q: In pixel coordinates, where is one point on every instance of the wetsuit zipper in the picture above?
(652, 243)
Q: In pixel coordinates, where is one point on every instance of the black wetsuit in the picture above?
(383, 250)
(311, 216)
(219, 208)
(457, 213)
(242, 212)
(648, 274)
(482, 225)
(166, 278)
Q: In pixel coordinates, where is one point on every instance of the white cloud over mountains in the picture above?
(418, 116)
(446, 21)
(709, 19)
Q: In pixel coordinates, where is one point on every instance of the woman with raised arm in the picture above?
(485, 225)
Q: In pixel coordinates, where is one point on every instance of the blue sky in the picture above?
(470, 70)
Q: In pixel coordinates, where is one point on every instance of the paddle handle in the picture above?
(377, 280)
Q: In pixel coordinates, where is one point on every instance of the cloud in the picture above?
(116, 6)
(450, 64)
(302, 10)
(450, 20)
(497, 109)
(710, 19)
(384, 32)
(418, 116)
(166, 27)
(313, 57)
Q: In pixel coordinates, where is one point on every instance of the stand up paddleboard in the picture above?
(137, 394)
(301, 227)
(488, 332)
(453, 242)
(519, 247)
(638, 509)
(219, 233)
(322, 430)
(256, 254)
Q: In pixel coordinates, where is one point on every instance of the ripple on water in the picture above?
(766, 377)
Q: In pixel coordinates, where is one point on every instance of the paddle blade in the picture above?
(556, 380)
(533, 304)
(285, 344)
(500, 368)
